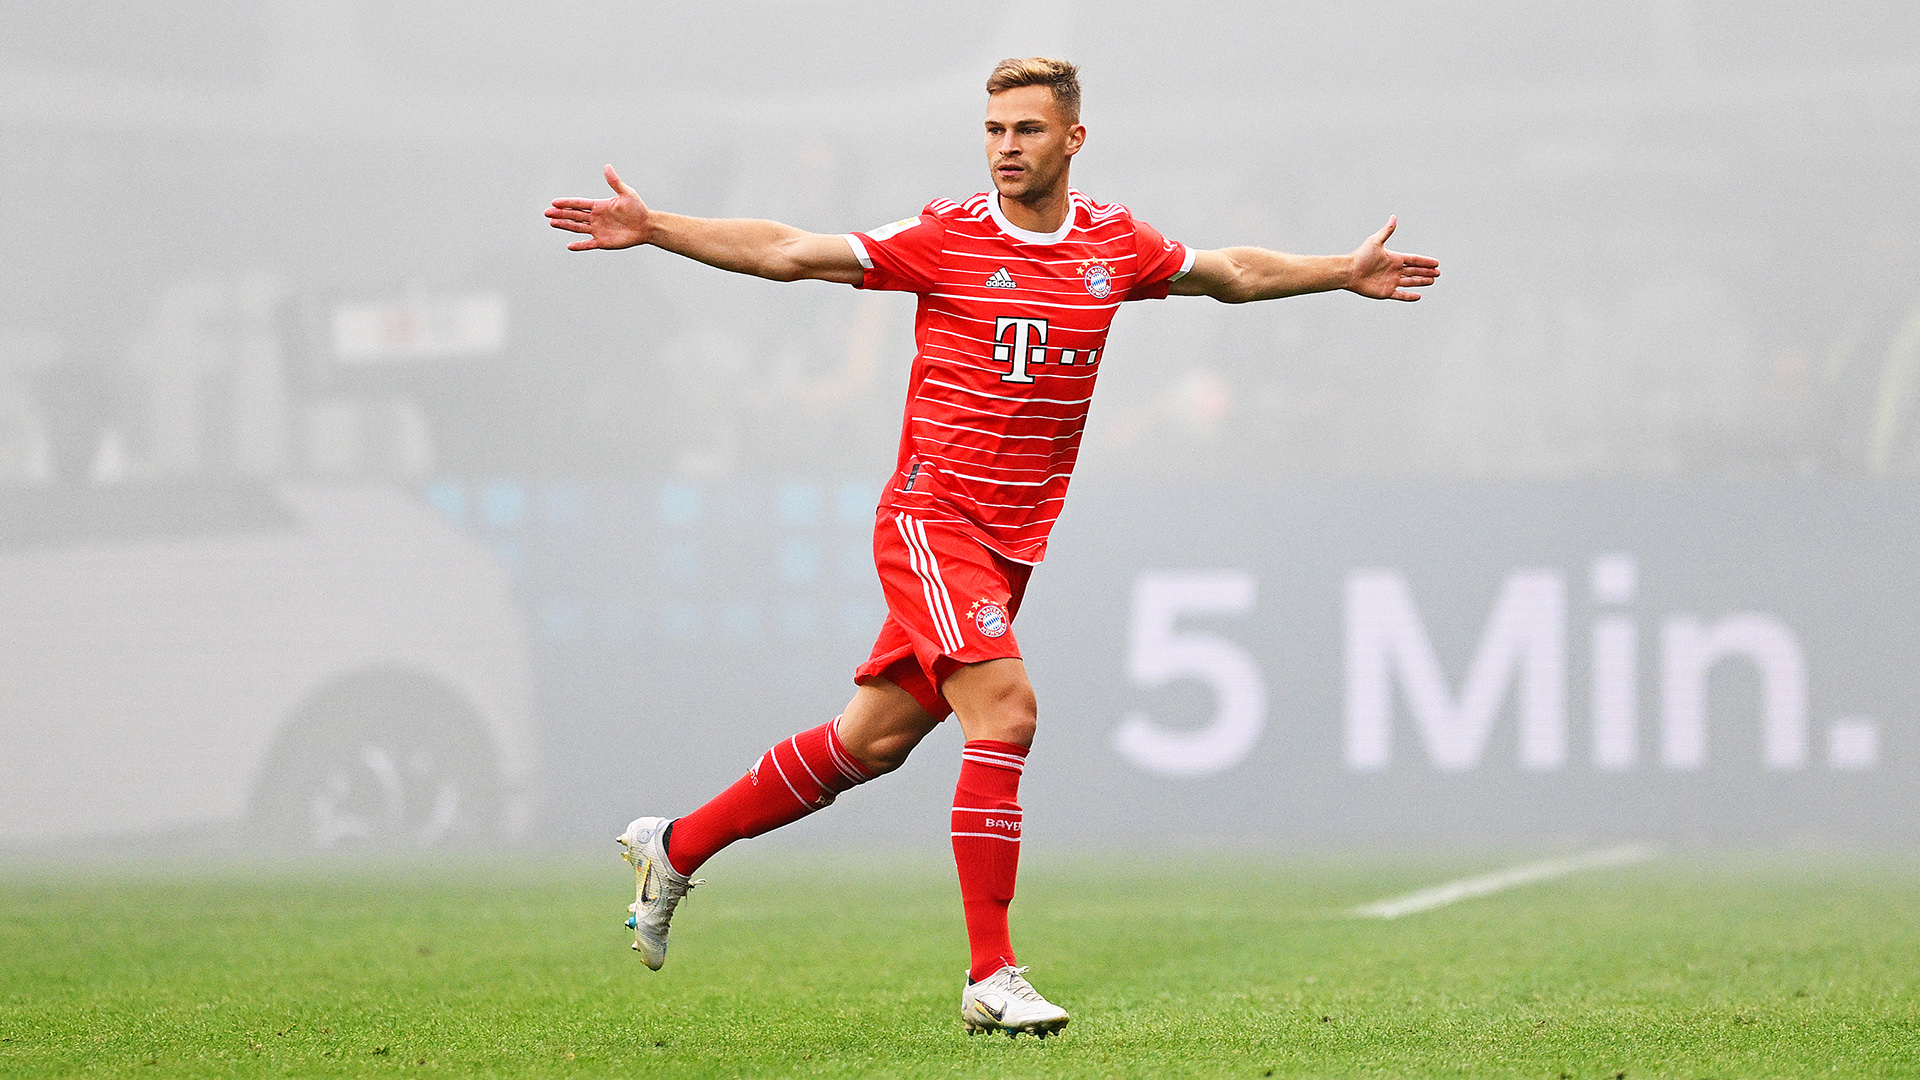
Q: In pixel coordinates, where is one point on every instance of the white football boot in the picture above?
(658, 888)
(1004, 1001)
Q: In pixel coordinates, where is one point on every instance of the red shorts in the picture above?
(950, 602)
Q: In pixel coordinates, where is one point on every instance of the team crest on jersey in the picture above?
(989, 618)
(1099, 279)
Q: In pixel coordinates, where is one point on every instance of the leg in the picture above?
(798, 776)
(995, 704)
(949, 644)
(805, 773)
(994, 700)
(882, 725)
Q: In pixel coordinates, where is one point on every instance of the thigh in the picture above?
(994, 700)
(882, 725)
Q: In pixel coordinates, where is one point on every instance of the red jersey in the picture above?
(1009, 334)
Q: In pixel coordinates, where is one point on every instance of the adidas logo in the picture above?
(1000, 279)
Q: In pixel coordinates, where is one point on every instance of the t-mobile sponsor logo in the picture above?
(1522, 657)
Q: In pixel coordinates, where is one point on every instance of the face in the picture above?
(1029, 143)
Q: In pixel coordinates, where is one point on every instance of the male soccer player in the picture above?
(1017, 288)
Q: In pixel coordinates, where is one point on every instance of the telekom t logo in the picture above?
(1029, 346)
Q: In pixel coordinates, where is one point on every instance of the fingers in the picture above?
(1407, 283)
(617, 184)
(580, 221)
(583, 245)
(574, 204)
(1393, 221)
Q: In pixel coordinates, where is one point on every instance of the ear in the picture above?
(1076, 138)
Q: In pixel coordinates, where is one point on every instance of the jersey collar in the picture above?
(1054, 237)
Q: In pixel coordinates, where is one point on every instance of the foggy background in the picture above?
(339, 504)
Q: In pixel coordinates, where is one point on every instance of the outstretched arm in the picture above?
(1237, 275)
(765, 249)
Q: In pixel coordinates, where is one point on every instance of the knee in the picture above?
(1012, 715)
(882, 754)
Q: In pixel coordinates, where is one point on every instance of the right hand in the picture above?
(620, 222)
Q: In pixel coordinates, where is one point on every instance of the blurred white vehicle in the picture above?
(320, 666)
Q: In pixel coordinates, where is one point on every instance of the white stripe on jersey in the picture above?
(1035, 505)
(1023, 301)
(995, 434)
(951, 352)
(1054, 337)
(1003, 397)
(1011, 483)
(989, 836)
(973, 461)
(976, 463)
(957, 317)
(1003, 416)
(1037, 262)
(956, 357)
(1014, 525)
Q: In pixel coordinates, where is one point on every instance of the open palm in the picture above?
(608, 224)
(1388, 275)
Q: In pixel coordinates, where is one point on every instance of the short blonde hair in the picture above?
(1060, 76)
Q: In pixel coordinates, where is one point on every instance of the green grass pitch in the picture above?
(1242, 966)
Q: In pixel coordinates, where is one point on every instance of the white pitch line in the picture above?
(1501, 880)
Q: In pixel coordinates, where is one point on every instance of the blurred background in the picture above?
(341, 506)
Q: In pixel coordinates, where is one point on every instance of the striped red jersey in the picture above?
(1009, 334)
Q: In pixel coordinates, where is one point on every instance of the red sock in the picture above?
(790, 781)
(986, 847)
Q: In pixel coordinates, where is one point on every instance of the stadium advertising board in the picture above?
(1494, 663)
(1484, 662)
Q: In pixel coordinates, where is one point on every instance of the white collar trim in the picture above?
(1000, 219)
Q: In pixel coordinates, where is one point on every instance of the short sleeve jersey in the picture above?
(1009, 334)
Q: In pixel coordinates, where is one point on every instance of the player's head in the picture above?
(1033, 125)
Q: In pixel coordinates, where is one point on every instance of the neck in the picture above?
(1041, 213)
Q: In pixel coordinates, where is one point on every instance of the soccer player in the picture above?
(1017, 288)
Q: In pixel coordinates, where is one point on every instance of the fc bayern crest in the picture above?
(991, 619)
(1099, 281)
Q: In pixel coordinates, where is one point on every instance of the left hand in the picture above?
(1388, 275)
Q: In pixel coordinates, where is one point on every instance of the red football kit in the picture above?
(1009, 333)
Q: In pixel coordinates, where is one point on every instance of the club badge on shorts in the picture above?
(1099, 279)
(989, 618)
